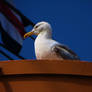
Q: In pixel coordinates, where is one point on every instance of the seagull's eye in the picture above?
(36, 26)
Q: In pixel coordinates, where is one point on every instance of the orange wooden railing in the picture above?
(45, 76)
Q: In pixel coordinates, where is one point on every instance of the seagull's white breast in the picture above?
(43, 49)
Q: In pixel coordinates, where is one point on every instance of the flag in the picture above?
(12, 24)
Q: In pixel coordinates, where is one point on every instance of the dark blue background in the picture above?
(71, 21)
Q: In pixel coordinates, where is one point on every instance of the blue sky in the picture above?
(71, 21)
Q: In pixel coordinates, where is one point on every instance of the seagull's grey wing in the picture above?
(64, 52)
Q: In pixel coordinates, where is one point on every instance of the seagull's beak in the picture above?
(29, 34)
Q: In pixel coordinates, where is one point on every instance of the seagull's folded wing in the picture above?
(64, 52)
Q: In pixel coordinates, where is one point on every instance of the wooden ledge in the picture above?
(65, 67)
(45, 76)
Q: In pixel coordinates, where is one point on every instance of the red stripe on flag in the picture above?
(13, 19)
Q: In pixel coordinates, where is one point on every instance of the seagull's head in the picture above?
(40, 27)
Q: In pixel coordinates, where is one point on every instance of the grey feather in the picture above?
(64, 52)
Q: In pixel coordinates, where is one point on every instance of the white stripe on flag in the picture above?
(9, 27)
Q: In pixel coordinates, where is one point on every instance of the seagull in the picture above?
(47, 48)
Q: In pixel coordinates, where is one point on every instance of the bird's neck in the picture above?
(45, 34)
